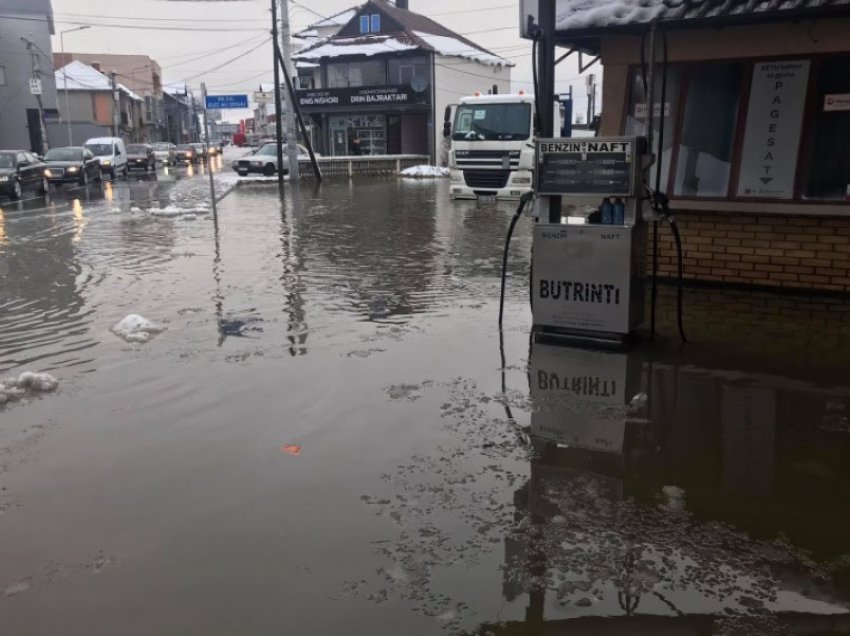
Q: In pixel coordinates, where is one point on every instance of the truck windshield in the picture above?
(492, 122)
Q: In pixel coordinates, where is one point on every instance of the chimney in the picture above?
(402, 4)
(96, 66)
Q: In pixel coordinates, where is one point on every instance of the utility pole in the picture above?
(207, 140)
(591, 97)
(291, 131)
(116, 105)
(278, 102)
(44, 146)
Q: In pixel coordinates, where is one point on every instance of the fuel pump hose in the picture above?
(661, 204)
(522, 203)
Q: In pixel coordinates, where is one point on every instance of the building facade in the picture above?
(756, 158)
(380, 82)
(140, 74)
(87, 102)
(26, 54)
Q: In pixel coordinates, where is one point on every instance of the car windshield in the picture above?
(7, 160)
(269, 150)
(100, 150)
(184, 148)
(64, 154)
(492, 122)
(160, 147)
(137, 150)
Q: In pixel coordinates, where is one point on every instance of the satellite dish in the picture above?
(418, 84)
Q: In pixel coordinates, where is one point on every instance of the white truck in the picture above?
(492, 146)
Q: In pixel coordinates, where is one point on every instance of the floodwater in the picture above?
(323, 439)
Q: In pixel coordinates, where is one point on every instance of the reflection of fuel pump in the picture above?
(588, 265)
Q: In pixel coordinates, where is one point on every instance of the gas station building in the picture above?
(756, 144)
(383, 75)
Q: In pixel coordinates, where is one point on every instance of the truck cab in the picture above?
(492, 146)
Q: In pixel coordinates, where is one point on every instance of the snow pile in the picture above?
(452, 47)
(135, 328)
(425, 172)
(27, 383)
(176, 210)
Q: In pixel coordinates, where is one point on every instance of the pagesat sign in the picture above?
(836, 102)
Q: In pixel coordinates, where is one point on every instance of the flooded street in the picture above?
(323, 438)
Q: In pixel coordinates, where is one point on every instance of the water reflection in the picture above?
(713, 503)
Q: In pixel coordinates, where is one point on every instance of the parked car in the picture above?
(140, 156)
(214, 150)
(21, 170)
(111, 153)
(264, 160)
(200, 152)
(71, 165)
(185, 153)
(164, 153)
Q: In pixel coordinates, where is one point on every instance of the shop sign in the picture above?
(772, 134)
(364, 96)
(838, 101)
(640, 110)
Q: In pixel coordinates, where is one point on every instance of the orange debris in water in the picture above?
(290, 449)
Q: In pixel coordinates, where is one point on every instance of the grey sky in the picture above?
(190, 55)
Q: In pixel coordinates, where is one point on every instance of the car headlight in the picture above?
(257, 162)
(106, 162)
(72, 169)
(522, 180)
(3, 178)
(189, 154)
(47, 173)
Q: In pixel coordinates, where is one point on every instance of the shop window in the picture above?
(354, 74)
(707, 135)
(636, 115)
(827, 167)
(410, 71)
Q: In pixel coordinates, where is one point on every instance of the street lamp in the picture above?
(65, 78)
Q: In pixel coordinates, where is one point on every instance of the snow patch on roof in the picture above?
(340, 19)
(176, 88)
(453, 47)
(81, 77)
(355, 46)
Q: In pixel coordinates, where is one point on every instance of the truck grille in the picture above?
(486, 178)
(487, 159)
(57, 172)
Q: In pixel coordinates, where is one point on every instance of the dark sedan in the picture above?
(141, 157)
(21, 170)
(186, 154)
(71, 165)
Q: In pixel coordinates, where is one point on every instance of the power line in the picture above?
(135, 18)
(204, 56)
(132, 26)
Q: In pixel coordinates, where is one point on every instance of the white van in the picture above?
(111, 153)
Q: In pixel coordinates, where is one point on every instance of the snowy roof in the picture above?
(411, 31)
(452, 47)
(355, 46)
(336, 20)
(593, 14)
(81, 77)
(129, 93)
(176, 88)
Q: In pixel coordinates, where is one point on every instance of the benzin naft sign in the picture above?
(773, 128)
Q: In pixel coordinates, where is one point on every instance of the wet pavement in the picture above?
(323, 439)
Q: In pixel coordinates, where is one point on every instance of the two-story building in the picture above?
(140, 74)
(380, 82)
(89, 107)
(25, 55)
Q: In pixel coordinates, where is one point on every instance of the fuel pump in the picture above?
(589, 253)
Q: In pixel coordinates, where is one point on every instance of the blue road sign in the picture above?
(218, 102)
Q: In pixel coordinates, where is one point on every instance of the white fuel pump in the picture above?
(588, 265)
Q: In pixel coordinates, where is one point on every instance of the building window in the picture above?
(707, 137)
(2, 75)
(636, 115)
(364, 24)
(408, 71)
(827, 167)
(355, 74)
(376, 23)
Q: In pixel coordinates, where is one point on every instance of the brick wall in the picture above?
(767, 250)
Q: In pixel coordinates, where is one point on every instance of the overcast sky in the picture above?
(189, 39)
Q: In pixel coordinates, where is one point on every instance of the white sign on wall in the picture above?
(838, 101)
(35, 86)
(772, 134)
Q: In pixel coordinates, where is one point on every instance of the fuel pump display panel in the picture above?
(579, 166)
